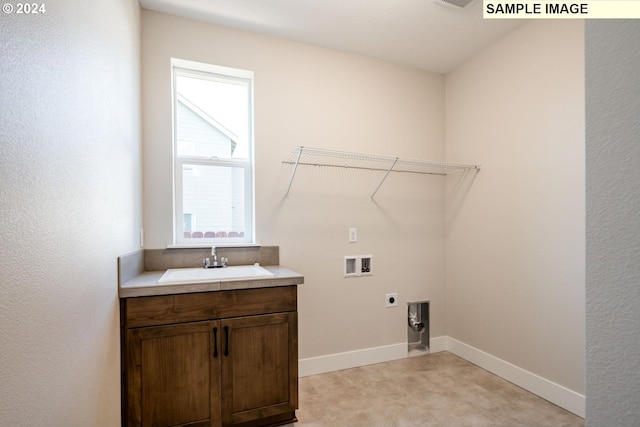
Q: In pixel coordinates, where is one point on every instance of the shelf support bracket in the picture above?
(293, 174)
(384, 177)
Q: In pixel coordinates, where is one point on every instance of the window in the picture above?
(213, 154)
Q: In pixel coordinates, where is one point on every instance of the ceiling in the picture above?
(426, 34)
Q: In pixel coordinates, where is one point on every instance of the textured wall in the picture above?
(70, 203)
(515, 234)
(613, 223)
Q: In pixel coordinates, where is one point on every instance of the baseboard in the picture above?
(438, 344)
(555, 393)
(548, 390)
(367, 356)
(351, 359)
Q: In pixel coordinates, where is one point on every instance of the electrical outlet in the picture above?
(392, 300)
(353, 235)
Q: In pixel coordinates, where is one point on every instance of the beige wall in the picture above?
(515, 235)
(320, 98)
(71, 197)
(70, 203)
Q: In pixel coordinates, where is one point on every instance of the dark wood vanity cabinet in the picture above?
(226, 358)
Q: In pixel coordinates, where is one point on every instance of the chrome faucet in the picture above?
(208, 263)
(214, 255)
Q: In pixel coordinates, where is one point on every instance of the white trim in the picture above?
(185, 68)
(351, 359)
(213, 243)
(555, 393)
(546, 389)
(438, 344)
(211, 68)
(367, 356)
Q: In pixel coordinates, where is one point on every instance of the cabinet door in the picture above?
(173, 375)
(259, 368)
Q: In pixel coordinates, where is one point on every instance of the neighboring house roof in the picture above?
(207, 118)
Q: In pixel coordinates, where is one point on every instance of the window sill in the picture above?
(208, 245)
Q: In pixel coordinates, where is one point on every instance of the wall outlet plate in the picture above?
(392, 300)
(358, 265)
(353, 235)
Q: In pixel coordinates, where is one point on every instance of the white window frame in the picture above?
(184, 67)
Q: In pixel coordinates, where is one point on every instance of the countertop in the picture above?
(146, 284)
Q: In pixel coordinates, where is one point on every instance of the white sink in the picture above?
(203, 275)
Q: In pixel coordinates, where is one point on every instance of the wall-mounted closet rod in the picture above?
(322, 157)
(364, 168)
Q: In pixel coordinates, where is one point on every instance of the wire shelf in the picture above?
(309, 156)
